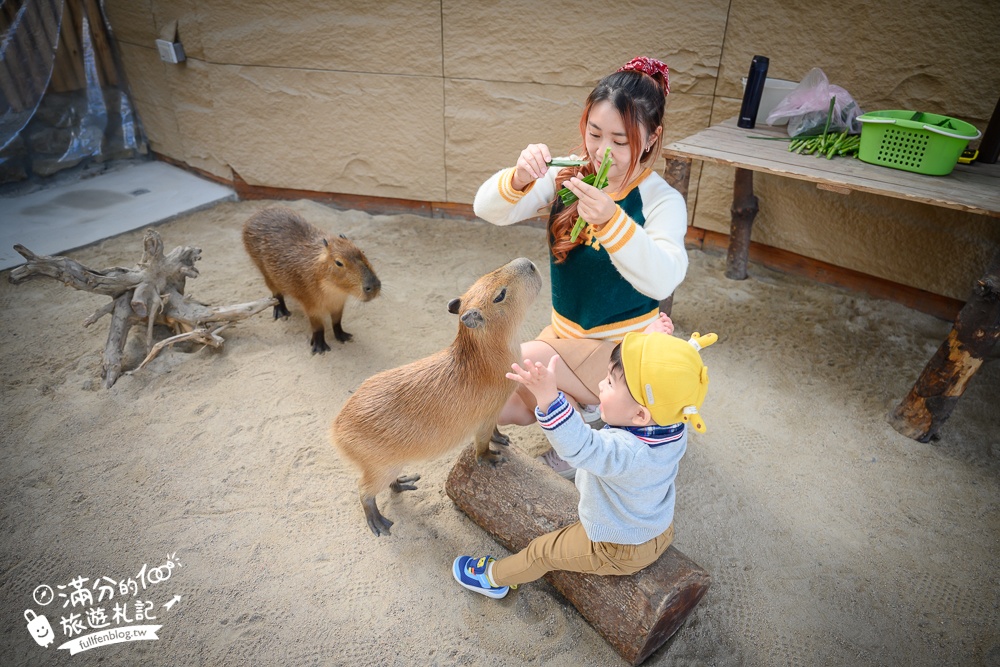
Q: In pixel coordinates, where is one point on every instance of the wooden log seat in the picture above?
(520, 499)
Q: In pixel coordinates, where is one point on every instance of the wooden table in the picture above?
(974, 188)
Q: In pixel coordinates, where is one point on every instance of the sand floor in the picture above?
(830, 538)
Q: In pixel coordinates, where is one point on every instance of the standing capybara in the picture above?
(425, 408)
(317, 270)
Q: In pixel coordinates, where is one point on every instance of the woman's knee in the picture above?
(536, 350)
(515, 411)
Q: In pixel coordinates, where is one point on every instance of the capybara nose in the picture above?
(373, 286)
(523, 263)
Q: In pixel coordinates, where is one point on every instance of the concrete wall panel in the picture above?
(489, 123)
(350, 133)
(566, 43)
(401, 37)
(329, 96)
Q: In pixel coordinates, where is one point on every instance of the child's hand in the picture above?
(531, 165)
(539, 379)
(663, 324)
(596, 206)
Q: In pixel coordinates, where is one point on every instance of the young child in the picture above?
(631, 251)
(654, 387)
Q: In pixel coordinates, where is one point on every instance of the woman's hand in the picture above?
(531, 165)
(663, 324)
(596, 206)
(538, 378)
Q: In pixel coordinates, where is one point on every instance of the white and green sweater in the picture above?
(612, 284)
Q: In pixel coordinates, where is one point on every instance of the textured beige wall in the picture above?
(424, 100)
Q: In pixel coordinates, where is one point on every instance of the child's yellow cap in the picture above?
(666, 375)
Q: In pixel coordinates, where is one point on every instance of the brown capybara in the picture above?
(421, 410)
(317, 270)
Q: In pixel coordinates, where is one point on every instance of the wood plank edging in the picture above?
(942, 307)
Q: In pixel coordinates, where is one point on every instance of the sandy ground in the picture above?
(831, 539)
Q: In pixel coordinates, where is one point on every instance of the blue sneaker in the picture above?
(472, 574)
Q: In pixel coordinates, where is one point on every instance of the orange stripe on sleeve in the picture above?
(624, 239)
(506, 187)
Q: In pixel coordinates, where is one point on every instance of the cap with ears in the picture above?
(665, 374)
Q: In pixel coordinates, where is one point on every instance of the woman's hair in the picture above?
(640, 100)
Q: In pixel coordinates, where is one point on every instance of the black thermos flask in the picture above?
(989, 147)
(753, 91)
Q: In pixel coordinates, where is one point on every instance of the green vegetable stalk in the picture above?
(827, 144)
(600, 182)
(568, 196)
(829, 114)
(565, 162)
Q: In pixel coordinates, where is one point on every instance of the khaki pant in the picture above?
(586, 357)
(569, 549)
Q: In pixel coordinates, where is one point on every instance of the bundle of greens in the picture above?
(828, 143)
(598, 180)
(568, 197)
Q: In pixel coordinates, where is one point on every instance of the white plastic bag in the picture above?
(806, 107)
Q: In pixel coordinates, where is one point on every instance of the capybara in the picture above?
(319, 271)
(421, 410)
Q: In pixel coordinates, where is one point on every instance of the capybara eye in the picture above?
(501, 296)
(338, 262)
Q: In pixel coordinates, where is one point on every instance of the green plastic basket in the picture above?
(925, 143)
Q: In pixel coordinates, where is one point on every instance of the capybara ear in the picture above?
(473, 318)
(342, 236)
(325, 242)
(454, 305)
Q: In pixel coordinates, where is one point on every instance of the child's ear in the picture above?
(642, 416)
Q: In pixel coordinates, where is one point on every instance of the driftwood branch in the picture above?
(975, 333)
(150, 293)
(203, 336)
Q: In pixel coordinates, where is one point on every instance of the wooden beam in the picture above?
(373, 205)
(520, 499)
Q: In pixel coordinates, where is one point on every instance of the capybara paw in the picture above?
(491, 457)
(499, 438)
(340, 334)
(404, 483)
(281, 312)
(379, 525)
(319, 343)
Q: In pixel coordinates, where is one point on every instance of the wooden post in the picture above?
(677, 173)
(937, 390)
(744, 210)
(520, 499)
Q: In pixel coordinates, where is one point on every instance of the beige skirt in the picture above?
(587, 358)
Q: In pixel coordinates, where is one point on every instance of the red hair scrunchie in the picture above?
(649, 66)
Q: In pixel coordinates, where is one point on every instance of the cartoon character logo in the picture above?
(43, 595)
(39, 628)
